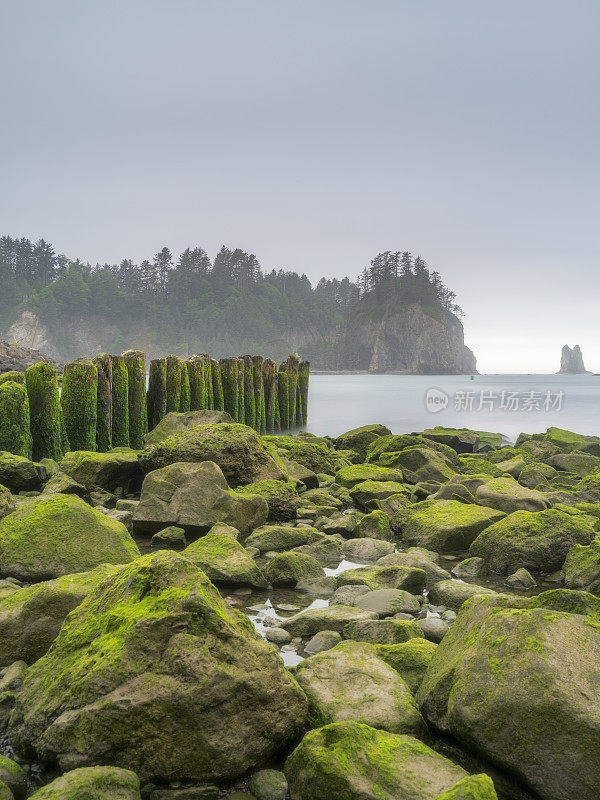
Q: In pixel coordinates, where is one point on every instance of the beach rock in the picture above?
(353, 761)
(367, 550)
(322, 641)
(179, 422)
(581, 464)
(287, 568)
(281, 537)
(195, 496)
(13, 776)
(367, 494)
(539, 542)
(350, 476)
(163, 645)
(505, 494)
(382, 631)
(61, 483)
(443, 525)
(350, 683)
(519, 687)
(359, 439)
(410, 579)
(278, 636)
(460, 439)
(434, 628)
(567, 441)
(238, 450)
(223, 559)
(433, 572)
(410, 659)
(281, 496)
(169, 537)
(7, 503)
(327, 550)
(108, 471)
(453, 593)
(31, 617)
(387, 602)
(343, 524)
(268, 784)
(92, 783)
(469, 569)
(582, 567)
(375, 525)
(19, 474)
(330, 618)
(310, 454)
(521, 579)
(424, 464)
(537, 475)
(60, 534)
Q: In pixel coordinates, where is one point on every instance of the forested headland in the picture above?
(223, 305)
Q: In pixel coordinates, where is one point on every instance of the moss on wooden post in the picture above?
(15, 433)
(174, 367)
(45, 412)
(217, 385)
(198, 398)
(135, 362)
(290, 366)
(241, 412)
(269, 374)
(13, 375)
(259, 394)
(120, 402)
(156, 400)
(283, 391)
(79, 400)
(104, 406)
(185, 394)
(210, 397)
(303, 378)
(249, 399)
(229, 379)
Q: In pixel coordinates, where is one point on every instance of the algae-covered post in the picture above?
(13, 375)
(217, 385)
(174, 367)
(120, 402)
(15, 432)
(185, 399)
(208, 384)
(291, 369)
(241, 409)
(157, 392)
(259, 394)
(195, 368)
(303, 378)
(104, 410)
(45, 412)
(229, 380)
(79, 400)
(135, 361)
(249, 397)
(269, 371)
(283, 392)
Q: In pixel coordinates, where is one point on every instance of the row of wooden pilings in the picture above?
(111, 401)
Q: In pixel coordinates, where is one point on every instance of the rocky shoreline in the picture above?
(227, 615)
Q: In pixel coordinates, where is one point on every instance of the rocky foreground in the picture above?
(375, 617)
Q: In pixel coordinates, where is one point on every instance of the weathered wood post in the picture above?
(185, 393)
(249, 397)
(15, 431)
(198, 397)
(135, 362)
(45, 412)
(217, 385)
(229, 379)
(157, 392)
(79, 400)
(120, 402)
(173, 384)
(104, 406)
(259, 394)
(303, 379)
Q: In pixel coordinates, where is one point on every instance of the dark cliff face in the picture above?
(571, 361)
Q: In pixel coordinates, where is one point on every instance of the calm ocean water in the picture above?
(508, 404)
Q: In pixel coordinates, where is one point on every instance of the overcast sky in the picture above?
(318, 133)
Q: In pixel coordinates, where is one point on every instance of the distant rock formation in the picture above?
(571, 361)
(15, 357)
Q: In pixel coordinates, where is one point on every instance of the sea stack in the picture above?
(571, 361)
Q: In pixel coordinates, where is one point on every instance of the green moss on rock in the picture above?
(79, 399)
(282, 498)
(120, 402)
(46, 420)
(223, 559)
(92, 783)
(15, 433)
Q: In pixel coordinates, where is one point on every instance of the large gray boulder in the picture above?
(108, 471)
(223, 559)
(506, 495)
(179, 422)
(238, 450)
(521, 688)
(92, 783)
(195, 496)
(156, 672)
(350, 683)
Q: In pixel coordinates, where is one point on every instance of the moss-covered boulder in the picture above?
(384, 577)
(330, 618)
(366, 551)
(537, 475)
(416, 561)
(327, 550)
(410, 659)
(464, 440)
(31, 617)
(443, 525)
(195, 496)
(581, 464)
(350, 476)
(505, 494)
(178, 422)
(352, 761)
(453, 593)
(46, 420)
(375, 525)
(109, 471)
(59, 534)
(519, 685)
(14, 777)
(223, 559)
(424, 464)
(350, 683)
(157, 642)
(282, 498)
(312, 455)
(15, 433)
(382, 631)
(281, 537)
(473, 787)
(539, 542)
(7, 502)
(19, 474)
(368, 494)
(394, 444)
(567, 441)
(582, 567)
(237, 449)
(359, 439)
(79, 400)
(92, 783)
(287, 568)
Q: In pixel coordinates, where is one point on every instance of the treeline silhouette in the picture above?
(193, 303)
